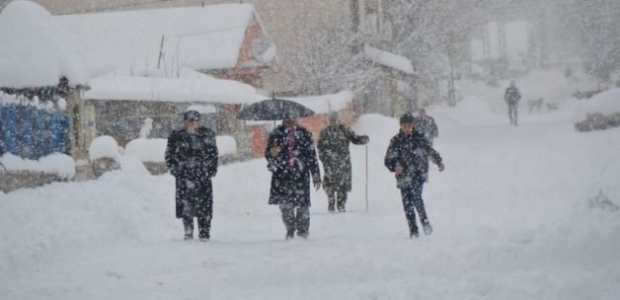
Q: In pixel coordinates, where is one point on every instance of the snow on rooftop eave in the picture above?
(388, 59)
(180, 90)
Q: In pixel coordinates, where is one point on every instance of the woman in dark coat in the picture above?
(292, 160)
(334, 152)
(192, 157)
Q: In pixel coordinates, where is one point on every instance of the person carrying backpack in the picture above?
(512, 97)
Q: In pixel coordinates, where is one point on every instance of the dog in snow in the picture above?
(552, 106)
(534, 105)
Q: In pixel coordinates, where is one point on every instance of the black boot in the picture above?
(188, 225)
(290, 234)
(204, 228)
(342, 201)
(413, 229)
(426, 225)
(331, 203)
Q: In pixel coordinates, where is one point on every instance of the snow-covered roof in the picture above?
(36, 51)
(388, 59)
(206, 89)
(200, 38)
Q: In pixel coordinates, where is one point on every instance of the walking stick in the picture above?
(366, 178)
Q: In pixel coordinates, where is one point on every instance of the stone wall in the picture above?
(16, 179)
(12, 180)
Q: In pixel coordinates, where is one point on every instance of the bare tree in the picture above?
(593, 25)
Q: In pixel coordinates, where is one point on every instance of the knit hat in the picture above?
(406, 119)
(333, 116)
(191, 115)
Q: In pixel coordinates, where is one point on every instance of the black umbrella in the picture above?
(274, 109)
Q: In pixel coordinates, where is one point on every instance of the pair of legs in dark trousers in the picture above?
(336, 197)
(196, 206)
(412, 201)
(512, 114)
(295, 218)
(204, 227)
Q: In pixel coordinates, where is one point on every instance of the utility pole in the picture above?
(501, 35)
(354, 5)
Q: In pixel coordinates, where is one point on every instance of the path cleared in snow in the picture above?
(511, 216)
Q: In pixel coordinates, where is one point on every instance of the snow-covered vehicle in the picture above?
(600, 112)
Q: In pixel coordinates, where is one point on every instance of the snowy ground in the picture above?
(511, 212)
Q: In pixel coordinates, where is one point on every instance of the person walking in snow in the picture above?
(512, 97)
(426, 125)
(292, 160)
(333, 146)
(192, 157)
(406, 156)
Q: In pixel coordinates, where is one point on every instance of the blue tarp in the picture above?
(33, 133)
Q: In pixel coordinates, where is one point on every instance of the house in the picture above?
(41, 78)
(398, 72)
(154, 63)
(118, 105)
(227, 41)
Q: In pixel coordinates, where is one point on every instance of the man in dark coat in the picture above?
(512, 97)
(192, 157)
(406, 156)
(292, 160)
(426, 125)
(334, 152)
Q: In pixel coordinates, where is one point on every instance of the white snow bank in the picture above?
(55, 163)
(103, 146)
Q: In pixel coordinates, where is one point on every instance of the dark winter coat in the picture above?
(192, 160)
(512, 95)
(426, 126)
(334, 153)
(410, 152)
(290, 179)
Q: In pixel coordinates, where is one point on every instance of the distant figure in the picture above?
(292, 161)
(426, 125)
(406, 156)
(512, 97)
(192, 157)
(334, 152)
(145, 131)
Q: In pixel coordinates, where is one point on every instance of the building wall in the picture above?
(122, 120)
